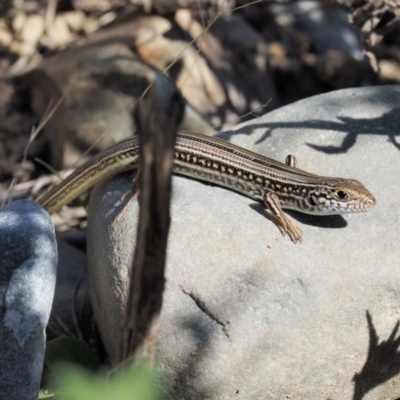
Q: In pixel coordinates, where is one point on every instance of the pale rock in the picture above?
(75, 20)
(32, 29)
(59, 32)
(5, 38)
(19, 21)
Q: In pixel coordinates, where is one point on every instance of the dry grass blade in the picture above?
(50, 112)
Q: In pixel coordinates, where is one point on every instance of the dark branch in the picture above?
(157, 118)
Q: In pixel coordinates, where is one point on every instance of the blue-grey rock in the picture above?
(28, 262)
(249, 315)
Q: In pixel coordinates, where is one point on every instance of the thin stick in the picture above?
(157, 117)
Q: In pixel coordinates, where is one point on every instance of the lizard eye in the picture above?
(342, 195)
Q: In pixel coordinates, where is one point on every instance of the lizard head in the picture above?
(341, 196)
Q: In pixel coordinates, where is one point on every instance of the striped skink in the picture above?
(277, 185)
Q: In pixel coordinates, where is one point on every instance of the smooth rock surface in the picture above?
(28, 264)
(249, 315)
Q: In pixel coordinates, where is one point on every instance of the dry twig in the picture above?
(157, 116)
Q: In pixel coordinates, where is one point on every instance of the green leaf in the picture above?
(45, 395)
(50, 168)
(137, 383)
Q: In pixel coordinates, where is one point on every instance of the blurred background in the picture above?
(71, 71)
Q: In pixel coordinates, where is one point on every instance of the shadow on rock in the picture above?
(325, 221)
(386, 124)
(383, 361)
(186, 380)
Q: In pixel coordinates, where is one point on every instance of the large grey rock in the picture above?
(28, 262)
(249, 315)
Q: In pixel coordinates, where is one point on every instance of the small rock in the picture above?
(19, 22)
(33, 29)
(91, 25)
(389, 70)
(5, 38)
(75, 20)
(59, 32)
(24, 48)
(28, 265)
